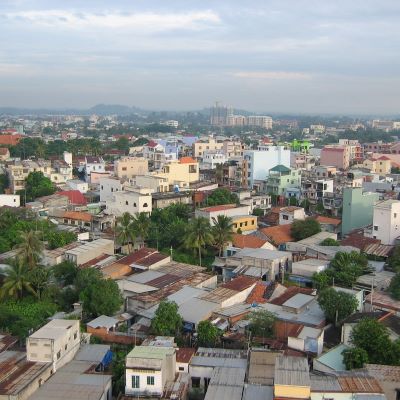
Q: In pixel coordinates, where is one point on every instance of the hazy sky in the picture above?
(273, 56)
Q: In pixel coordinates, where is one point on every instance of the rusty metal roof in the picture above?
(359, 384)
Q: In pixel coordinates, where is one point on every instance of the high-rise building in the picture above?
(220, 114)
(262, 121)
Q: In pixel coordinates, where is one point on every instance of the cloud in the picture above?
(273, 75)
(134, 21)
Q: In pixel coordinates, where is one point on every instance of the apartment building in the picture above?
(108, 187)
(93, 164)
(154, 182)
(262, 121)
(202, 145)
(336, 156)
(280, 178)
(56, 342)
(358, 209)
(355, 148)
(258, 163)
(380, 165)
(181, 173)
(212, 158)
(129, 167)
(233, 148)
(220, 114)
(386, 221)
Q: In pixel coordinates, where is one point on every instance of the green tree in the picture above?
(262, 323)
(329, 242)
(355, 358)
(258, 212)
(321, 280)
(39, 278)
(85, 277)
(337, 305)
(141, 225)
(101, 297)
(394, 259)
(198, 235)
(4, 183)
(222, 231)
(222, 196)
(124, 230)
(123, 144)
(373, 337)
(208, 334)
(305, 204)
(58, 239)
(304, 229)
(167, 321)
(30, 248)
(36, 185)
(65, 272)
(394, 287)
(16, 282)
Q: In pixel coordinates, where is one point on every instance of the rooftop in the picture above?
(333, 358)
(292, 371)
(218, 208)
(54, 329)
(153, 352)
(249, 241)
(279, 234)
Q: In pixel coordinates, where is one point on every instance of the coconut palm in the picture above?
(30, 248)
(39, 279)
(198, 235)
(16, 280)
(141, 225)
(222, 231)
(124, 230)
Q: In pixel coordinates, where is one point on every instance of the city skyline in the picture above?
(276, 57)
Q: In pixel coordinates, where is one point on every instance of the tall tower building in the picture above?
(220, 114)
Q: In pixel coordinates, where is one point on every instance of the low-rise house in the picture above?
(287, 215)
(226, 380)
(93, 164)
(148, 368)
(308, 267)
(162, 200)
(329, 224)
(108, 187)
(278, 235)
(82, 254)
(228, 210)
(309, 340)
(82, 378)
(77, 184)
(331, 362)
(9, 200)
(57, 342)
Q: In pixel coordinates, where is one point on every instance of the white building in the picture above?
(288, 215)
(262, 121)
(211, 158)
(172, 123)
(108, 187)
(56, 342)
(88, 251)
(148, 368)
(132, 200)
(77, 184)
(94, 164)
(259, 162)
(10, 200)
(386, 221)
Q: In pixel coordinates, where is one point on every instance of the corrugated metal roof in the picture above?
(291, 371)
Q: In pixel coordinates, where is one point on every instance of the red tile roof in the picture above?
(11, 140)
(74, 196)
(240, 283)
(187, 160)
(185, 354)
(222, 207)
(279, 234)
(289, 293)
(358, 240)
(328, 220)
(80, 216)
(249, 241)
(257, 294)
(144, 257)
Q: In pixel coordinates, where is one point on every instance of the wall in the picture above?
(293, 392)
(108, 186)
(128, 167)
(129, 201)
(10, 200)
(386, 222)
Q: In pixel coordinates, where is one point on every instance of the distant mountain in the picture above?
(99, 109)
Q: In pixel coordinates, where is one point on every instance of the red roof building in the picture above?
(74, 196)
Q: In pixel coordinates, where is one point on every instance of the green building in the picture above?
(358, 209)
(300, 146)
(281, 178)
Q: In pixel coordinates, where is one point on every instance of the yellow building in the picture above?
(292, 378)
(181, 173)
(381, 165)
(129, 167)
(244, 223)
(201, 146)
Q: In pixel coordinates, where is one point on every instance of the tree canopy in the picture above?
(208, 334)
(167, 321)
(262, 323)
(394, 287)
(221, 196)
(302, 229)
(337, 305)
(36, 185)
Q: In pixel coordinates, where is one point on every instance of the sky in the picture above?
(289, 56)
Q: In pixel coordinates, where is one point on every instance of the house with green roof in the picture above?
(281, 178)
(148, 369)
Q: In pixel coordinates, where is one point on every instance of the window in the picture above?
(126, 202)
(150, 380)
(123, 168)
(66, 347)
(33, 344)
(145, 205)
(395, 215)
(134, 204)
(375, 228)
(285, 217)
(181, 369)
(196, 382)
(252, 222)
(102, 188)
(75, 335)
(59, 355)
(135, 382)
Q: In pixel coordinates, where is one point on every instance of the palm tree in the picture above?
(222, 231)
(141, 225)
(39, 279)
(124, 230)
(30, 248)
(198, 235)
(16, 280)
